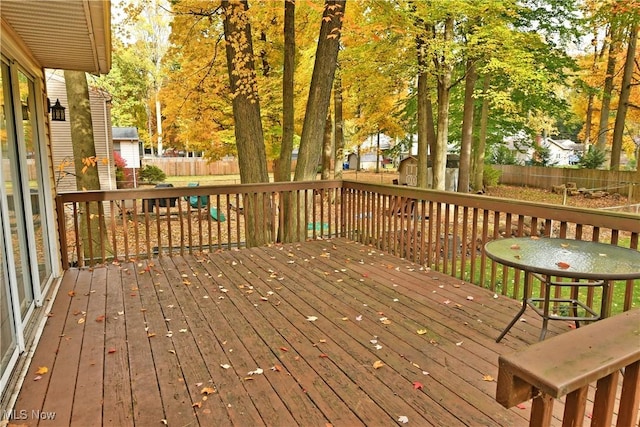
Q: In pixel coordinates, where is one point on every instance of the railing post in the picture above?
(62, 234)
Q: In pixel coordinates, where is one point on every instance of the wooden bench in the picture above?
(567, 364)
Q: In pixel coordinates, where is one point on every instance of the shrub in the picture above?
(123, 175)
(593, 158)
(151, 174)
(491, 176)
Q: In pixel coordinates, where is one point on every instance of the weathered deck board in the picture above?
(157, 333)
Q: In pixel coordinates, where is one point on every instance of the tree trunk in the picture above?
(327, 148)
(283, 164)
(282, 171)
(623, 100)
(478, 158)
(338, 133)
(159, 123)
(320, 90)
(444, 92)
(608, 90)
(252, 158)
(85, 161)
(426, 131)
(464, 171)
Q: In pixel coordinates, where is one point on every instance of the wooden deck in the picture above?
(232, 338)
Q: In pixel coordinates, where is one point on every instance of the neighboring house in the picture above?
(35, 35)
(126, 142)
(563, 152)
(61, 145)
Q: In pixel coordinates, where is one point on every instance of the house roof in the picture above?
(126, 133)
(566, 144)
(67, 34)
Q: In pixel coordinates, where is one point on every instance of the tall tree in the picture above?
(339, 123)
(246, 105)
(623, 102)
(84, 157)
(607, 92)
(479, 146)
(320, 90)
(246, 112)
(467, 128)
(444, 66)
(283, 165)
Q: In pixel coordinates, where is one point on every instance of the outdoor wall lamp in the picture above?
(56, 110)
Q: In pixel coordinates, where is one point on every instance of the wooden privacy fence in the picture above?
(622, 182)
(193, 166)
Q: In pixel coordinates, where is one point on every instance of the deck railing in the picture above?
(442, 230)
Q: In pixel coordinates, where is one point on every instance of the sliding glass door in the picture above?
(25, 255)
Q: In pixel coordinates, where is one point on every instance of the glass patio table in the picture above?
(596, 264)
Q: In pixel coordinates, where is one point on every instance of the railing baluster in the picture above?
(574, 407)
(630, 396)
(603, 404)
(541, 410)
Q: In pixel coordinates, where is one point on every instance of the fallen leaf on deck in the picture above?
(514, 246)
(562, 265)
(207, 390)
(258, 371)
(81, 321)
(42, 370)
(151, 335)
(359, 318)
(284, 349)
(418, 385)
(111, 350)
(487, 378)
(521, 406)
(225, 366)
(324, 356)
(197, 405)
(71, 293)
(312, 318)
(421, 331)
(378, 347)
(345, 319)
(403, 419)
(378, 364)
(564, 245)
(276, 368)
(459, 343)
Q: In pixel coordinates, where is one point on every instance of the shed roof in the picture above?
(125, 133)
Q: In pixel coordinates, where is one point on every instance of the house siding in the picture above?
(62, 148)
